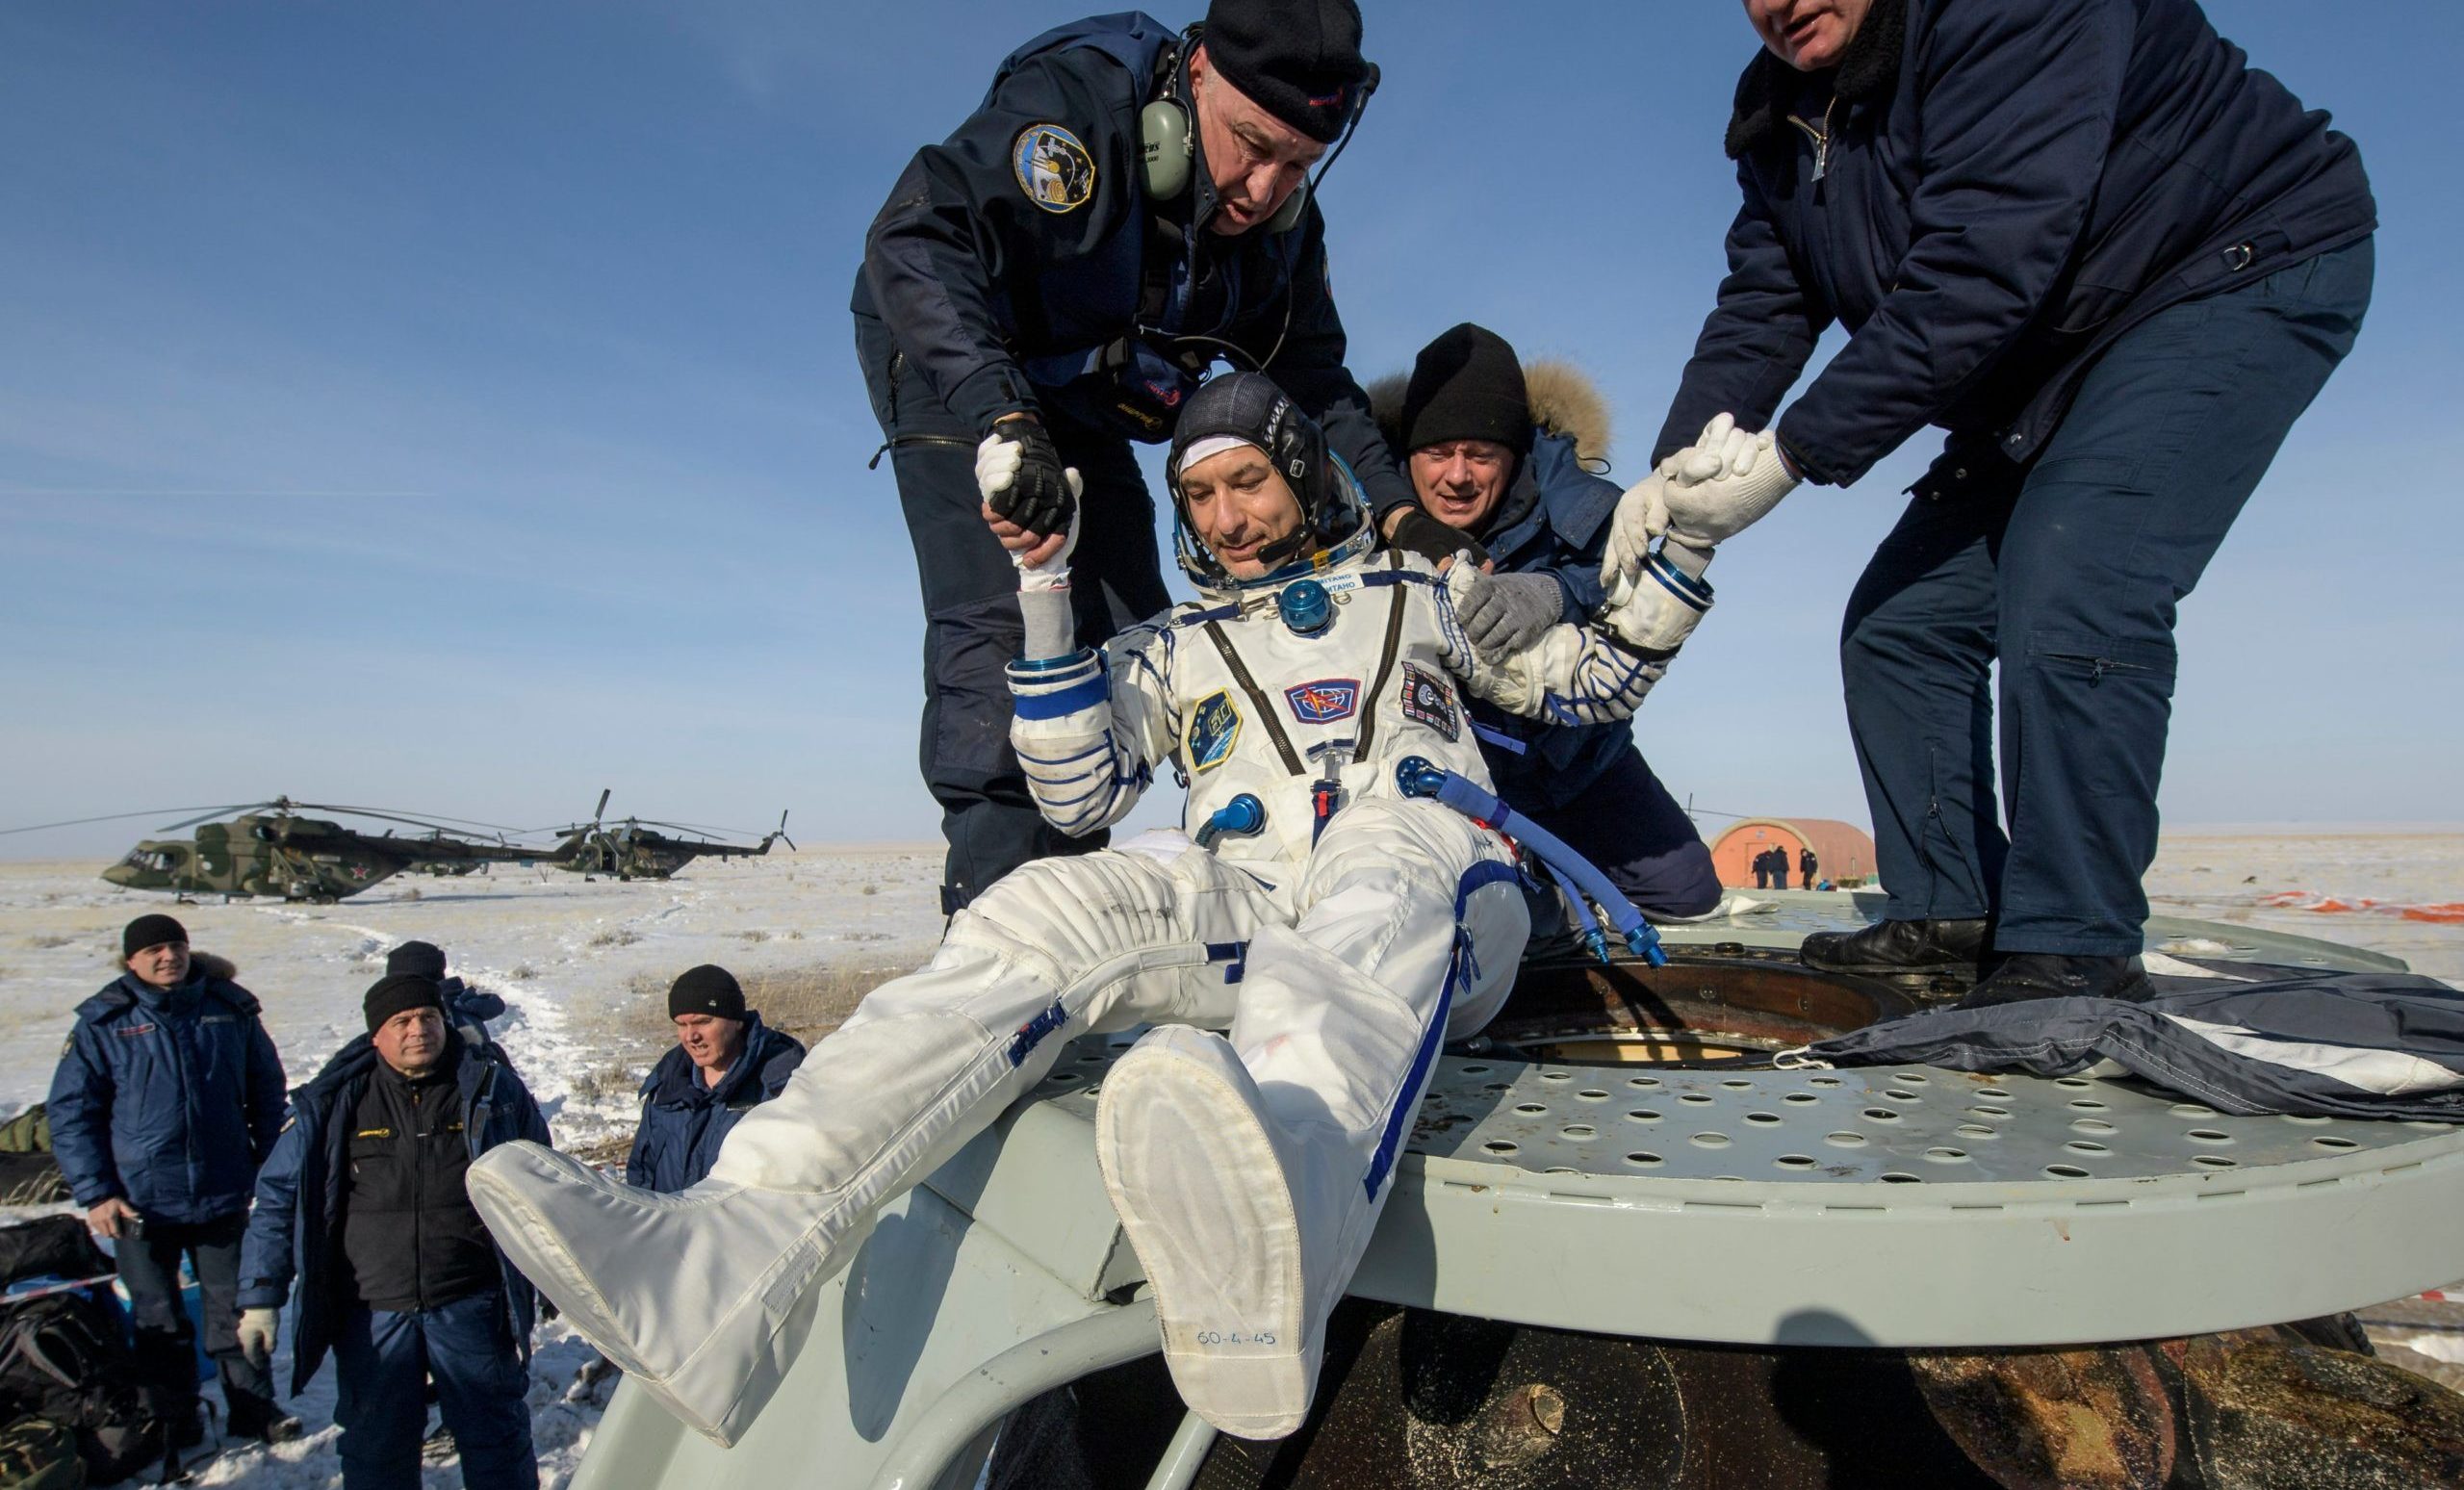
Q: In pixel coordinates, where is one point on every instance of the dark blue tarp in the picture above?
(2337, 1045)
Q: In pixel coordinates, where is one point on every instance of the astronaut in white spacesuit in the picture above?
(1338, 928)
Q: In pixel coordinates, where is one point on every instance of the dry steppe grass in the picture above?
(805, 1002)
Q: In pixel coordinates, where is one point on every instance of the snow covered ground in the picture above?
(584, 967)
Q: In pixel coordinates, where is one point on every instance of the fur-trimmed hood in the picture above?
(1563, 402)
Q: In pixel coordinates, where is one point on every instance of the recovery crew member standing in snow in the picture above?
(724, 1063)
(2115, 263)
(1340, 928)
(1032, 292)
(362, 1203)
(166, 1098)
(1502, 459)
(468, 1009)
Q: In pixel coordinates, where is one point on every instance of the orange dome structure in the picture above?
(1844, 851)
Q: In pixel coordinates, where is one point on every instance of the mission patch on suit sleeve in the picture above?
(1214, 724)
(1054, 170)
(1430, 700)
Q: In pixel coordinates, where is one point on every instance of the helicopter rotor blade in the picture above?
(114, 817)
(696, 828)
(599, 813)
(425, 819)
(278, 804)
(381, 815)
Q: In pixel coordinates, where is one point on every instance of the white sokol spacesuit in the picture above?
(1339, 943)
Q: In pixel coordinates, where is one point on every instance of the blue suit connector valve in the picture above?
(1238, 818)
(1305, 607)
(1416, 776)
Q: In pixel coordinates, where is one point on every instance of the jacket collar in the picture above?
(180, 998)
(1521, 496)
(359, 1060)
(675, 1082)
(1867, 72)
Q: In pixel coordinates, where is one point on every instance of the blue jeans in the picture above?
(382, 1362)
(2068, 573)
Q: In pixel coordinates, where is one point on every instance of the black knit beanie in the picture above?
(709, 990)
(396, 991)
(150, 930)
(1467, 385)
(1298, 60)
(424, 957)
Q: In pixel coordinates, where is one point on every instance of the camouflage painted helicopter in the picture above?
(270, 849)
(634, 849)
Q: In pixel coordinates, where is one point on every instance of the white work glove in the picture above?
(256, 1335)
(1722, 485)
(1640, 518)
(1053, 574)
(1503, 614)
(1044, 587)
(1023, 479)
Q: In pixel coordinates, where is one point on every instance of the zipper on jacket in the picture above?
(1820, 136)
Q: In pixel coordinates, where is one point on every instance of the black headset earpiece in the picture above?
(1288, 217)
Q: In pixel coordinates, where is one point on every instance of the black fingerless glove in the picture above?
(1037, 498)
(1417, 532)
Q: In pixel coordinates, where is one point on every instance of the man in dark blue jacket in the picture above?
(362, 1203)
(168, 1096)
(1505, 461)
(726, 1063)
(2114, 261)
(1035, 297)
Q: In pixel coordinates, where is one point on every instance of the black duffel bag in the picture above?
(62, 1358)
(55, 1247)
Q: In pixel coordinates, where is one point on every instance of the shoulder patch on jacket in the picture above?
(1053, 168)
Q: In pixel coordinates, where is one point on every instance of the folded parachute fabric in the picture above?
(2333, 1044)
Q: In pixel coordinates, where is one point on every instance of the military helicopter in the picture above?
(270, 849)
(633, 849)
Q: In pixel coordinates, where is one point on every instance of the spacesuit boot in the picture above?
(704, 1297)
(1200, 1179)
(1249, 1174)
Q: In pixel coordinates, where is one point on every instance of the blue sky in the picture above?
(453, 405)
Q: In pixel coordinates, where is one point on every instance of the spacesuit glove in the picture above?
(256, 1336)
(1655, 606)
(1503, 614)
(1722, 485)
(1053, 574)
(1417, 532)
(1022, 478)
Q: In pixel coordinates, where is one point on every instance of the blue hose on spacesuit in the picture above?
(1419, 777)
(1594, 940)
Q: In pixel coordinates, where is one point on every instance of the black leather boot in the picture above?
(1889, 947)
(2023, 976)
